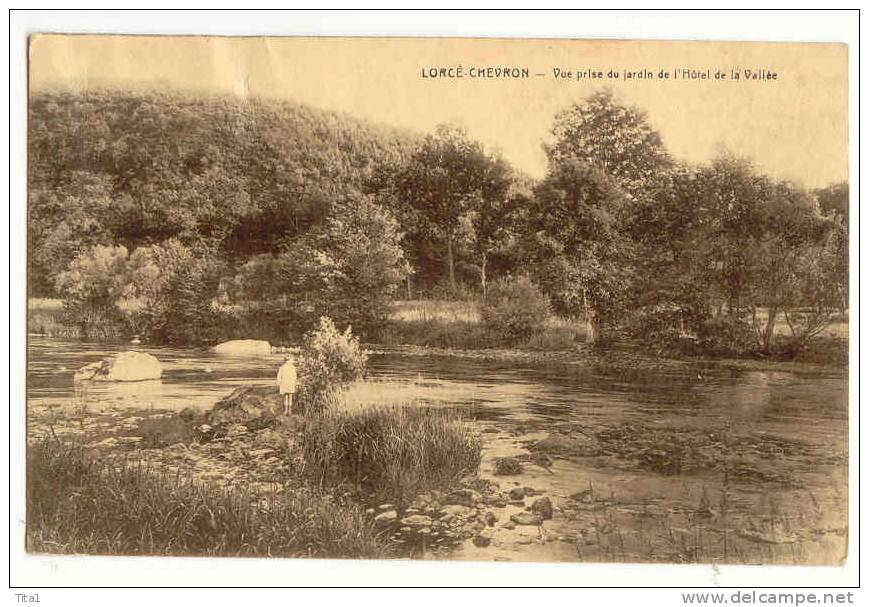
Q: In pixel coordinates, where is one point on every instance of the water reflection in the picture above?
(785, 403)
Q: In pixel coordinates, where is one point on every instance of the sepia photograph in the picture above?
(438, 299)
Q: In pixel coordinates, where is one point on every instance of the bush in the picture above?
(515, 308)
(94, 280)
(79, 505)
(163, 292)
(657, 328)
(348, 269)
(551, 339)
(726, 336)
(389, 453)
(329, 361)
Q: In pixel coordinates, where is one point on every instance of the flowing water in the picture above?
(781, 498)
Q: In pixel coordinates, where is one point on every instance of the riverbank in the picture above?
(416, 328)
(625, 359)
(396, 481)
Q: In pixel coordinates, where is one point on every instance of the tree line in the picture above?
(182, 219)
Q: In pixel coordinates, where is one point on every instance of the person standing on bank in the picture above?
(287, 383)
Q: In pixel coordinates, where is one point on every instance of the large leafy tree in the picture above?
(725, 240)
(446, 179)
(578, 243)
(493, 215)
(611, 136)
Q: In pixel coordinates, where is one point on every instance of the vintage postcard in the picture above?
(450, 299)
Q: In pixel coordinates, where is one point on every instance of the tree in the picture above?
(613, 137)
(492, 216)
(90, 286)
(726, 241)
(822, 285)
(578, 244)
(349, 270)
(443, 180)
(238, 177)
(664, 226)
(65, 219)
(363, 240)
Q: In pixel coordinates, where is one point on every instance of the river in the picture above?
(787, 504)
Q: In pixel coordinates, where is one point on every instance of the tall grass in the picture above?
(77, 505)
(389, 453)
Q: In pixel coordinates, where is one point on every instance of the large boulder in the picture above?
(254, 406)
(243, 347)
(126, 366)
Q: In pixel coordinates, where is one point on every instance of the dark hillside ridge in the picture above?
(134, 168)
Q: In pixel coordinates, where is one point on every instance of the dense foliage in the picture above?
(188, 220)
(514, 308)
(330, 360)
(135, 169)
(191, 220)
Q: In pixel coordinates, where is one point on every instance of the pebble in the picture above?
(482, 539)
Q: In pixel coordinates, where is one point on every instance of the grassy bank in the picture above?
(77, 504)
(165, 501)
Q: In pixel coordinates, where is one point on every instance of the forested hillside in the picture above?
(239, 177)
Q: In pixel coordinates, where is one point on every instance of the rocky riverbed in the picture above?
(238, 443)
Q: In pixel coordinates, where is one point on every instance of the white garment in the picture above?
(287, 378)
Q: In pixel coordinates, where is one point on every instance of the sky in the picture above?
(794, 127)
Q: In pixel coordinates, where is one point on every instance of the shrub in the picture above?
(726, 336)
(515, 308)
(170, 293)
(551, 339)
(389, 453)
(348, 269)
(79, 505)
(329, 361)
(656, 328)
(163, 292)
(90, 286)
